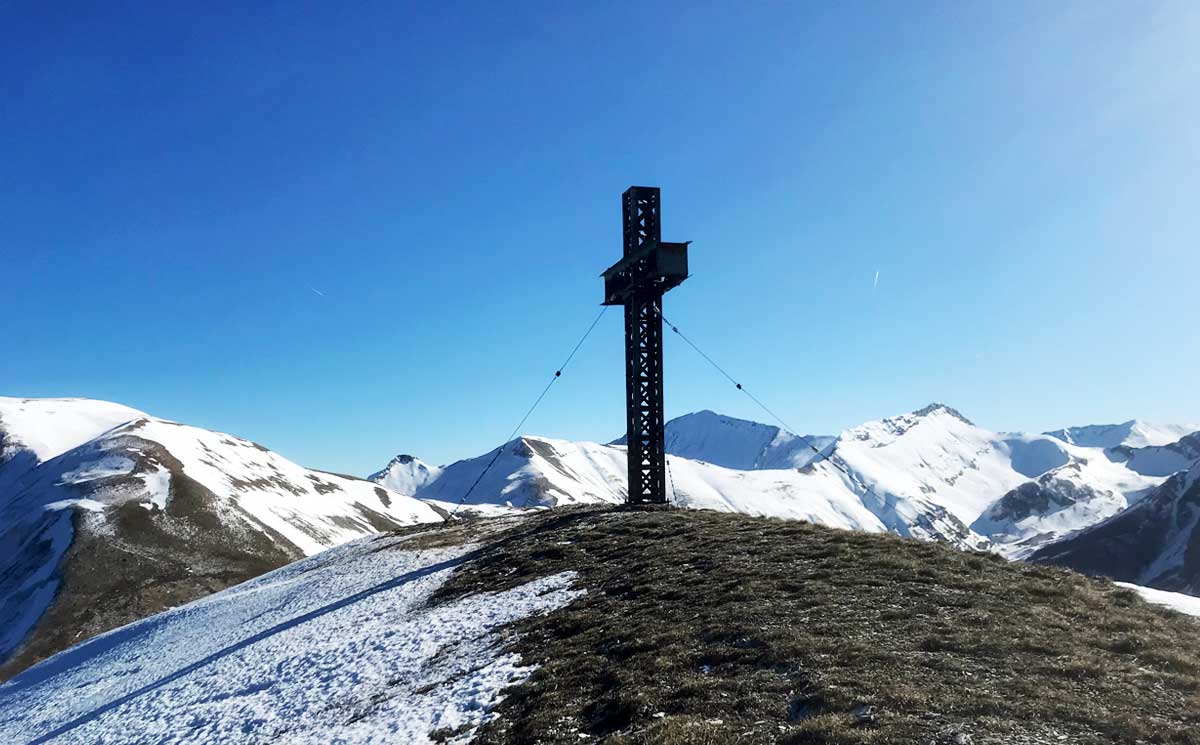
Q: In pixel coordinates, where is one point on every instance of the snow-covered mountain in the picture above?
(931, 474)
(738, 443)
(541, 472)
(1134, 433)
(1156, 542)
(1092, 485)
(108, 514)
(405, 474)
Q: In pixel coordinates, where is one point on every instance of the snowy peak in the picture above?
(1134, 433)
(935, 417)
(405, 474)
(738, 443)
(942, 409)
(531, 472)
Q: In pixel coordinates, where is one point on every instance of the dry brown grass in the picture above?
(702, 628)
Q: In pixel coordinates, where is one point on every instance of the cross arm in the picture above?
(659, 267)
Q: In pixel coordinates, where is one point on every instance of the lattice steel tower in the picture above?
(649, 268)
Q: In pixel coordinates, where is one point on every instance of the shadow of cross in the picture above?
(254, 639)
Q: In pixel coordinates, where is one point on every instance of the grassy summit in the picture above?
(700, 627)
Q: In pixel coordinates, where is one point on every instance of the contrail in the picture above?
(323, 294)
(876, 284)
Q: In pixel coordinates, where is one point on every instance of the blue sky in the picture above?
(350, 232)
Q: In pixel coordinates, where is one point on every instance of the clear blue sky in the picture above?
(347, 230)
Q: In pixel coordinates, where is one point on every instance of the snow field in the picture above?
(1176, 600)
(337, 648)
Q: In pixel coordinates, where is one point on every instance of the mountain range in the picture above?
(930, 474)
(110, 514)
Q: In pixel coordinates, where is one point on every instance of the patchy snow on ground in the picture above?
(340, 647)
(1177, 600)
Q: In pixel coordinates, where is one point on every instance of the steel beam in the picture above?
(647, 270)
(644, 399)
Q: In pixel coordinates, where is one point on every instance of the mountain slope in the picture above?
(1155, 543)
(648, 626)
(150, 513)
(737, 443)
(1054, 504)
(1158, 460)
(340, 647)
(34, 430)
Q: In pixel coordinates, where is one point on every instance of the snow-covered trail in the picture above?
(337, 648)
